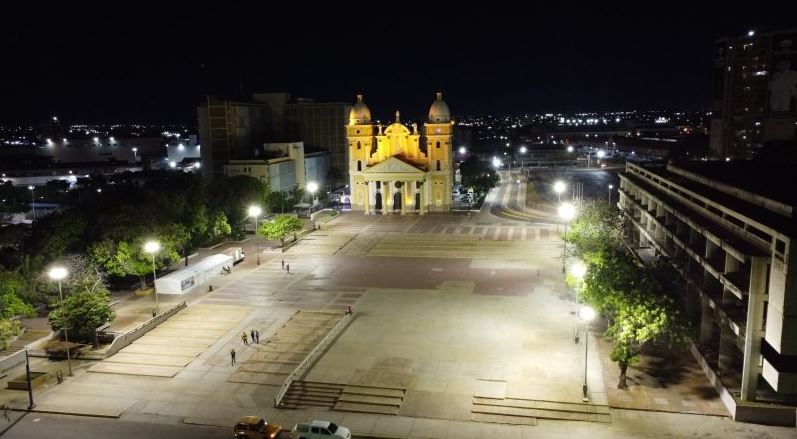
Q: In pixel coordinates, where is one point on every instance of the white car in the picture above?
(319, 430)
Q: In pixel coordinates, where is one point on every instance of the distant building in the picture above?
(396, 168)
(230, 130)
(240, 128)
(755, 92)
(731, 236)
(283, 166)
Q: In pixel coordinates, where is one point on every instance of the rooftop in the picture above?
(771, 180)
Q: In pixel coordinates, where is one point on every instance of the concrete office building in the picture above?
(230, 130)
(731, 238)
(755, 92)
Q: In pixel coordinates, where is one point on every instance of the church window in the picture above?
(438, 165)
(438, 145)
(359, 165)
(358, 145)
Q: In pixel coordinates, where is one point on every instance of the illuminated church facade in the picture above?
(396, 169)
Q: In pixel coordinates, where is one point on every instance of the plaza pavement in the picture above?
(456, 329)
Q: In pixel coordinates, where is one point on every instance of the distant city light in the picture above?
(462, 150)
(750, 33)
(180, 147)
(172, 164)
(601, 153)
(727, 159)
(96, 139)
(569, 149)
(523, 150)
(64, 139)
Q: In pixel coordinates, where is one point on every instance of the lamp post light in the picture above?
(559, 187)
(587, 314)
(254, 212)
(578, 270)
(611, 186)
(59, 273)
(153, 247)
(566, 212)
(33, 201)
(312, 187)
(462, 150)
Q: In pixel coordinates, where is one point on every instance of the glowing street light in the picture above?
(578, 270)
(59, 273)
(587, 314)
(566, 212)
(601, 153)
(611, 186)
(312, 187)
(462, 150)
(33, 201)
(559, 186)
(254, 212)
(153, 247)
(523, 149)
(569, 149)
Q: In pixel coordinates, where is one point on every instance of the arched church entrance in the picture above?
(378, 203)
(418, 201)
(397, 201)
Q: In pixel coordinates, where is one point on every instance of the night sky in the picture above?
(153, 64)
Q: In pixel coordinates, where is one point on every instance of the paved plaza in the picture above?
(462, 327)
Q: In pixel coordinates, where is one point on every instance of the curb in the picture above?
(62, 412)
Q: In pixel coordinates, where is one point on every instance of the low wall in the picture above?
(311, 357)
(124, 340)
(12, 361)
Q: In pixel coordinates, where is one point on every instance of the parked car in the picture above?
(319, 430)
(255, 427)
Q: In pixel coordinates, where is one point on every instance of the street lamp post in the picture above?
(312, 187)
(59, 273)
(153, 247)
(33, 201)
(611, 186)
(566, 211)
(559, 187)
(578, 270)
(587, 314)
(255, 211)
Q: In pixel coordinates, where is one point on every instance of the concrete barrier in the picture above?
(124, 340)
(311, 357)
(12, 361)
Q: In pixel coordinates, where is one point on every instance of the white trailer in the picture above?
(186, 279)
(236, 253)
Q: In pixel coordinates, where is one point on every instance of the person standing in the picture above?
(257, 336)
(252, 335)
(283, 264)
(288, 268)
(232, 356)
(244, 339)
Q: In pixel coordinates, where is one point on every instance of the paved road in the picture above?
(37, 425)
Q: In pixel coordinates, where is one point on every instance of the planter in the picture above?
(21, 382)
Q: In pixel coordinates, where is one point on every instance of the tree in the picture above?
(8, 330)
(278, 201)
(281, 228)
(598, 226)
(12, 236)
(86, 299)
(12, 286)
(217, 227)
(478, 175)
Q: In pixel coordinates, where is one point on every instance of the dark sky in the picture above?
(153, 62)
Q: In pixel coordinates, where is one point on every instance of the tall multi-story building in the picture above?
(240, 129)
(731, 237)
(755, 92)
(230, 130)
(396, 168)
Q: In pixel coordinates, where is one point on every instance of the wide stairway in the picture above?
(527, 411)
(26, 338)
(347, 398)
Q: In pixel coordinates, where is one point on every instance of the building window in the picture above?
(438, 165)
(438, 145)
(359, 165)
(358, 145)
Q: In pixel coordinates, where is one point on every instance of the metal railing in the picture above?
(132, 335)
(311, 356)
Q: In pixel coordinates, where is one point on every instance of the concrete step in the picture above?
(377, 409)
(516, 412)
(543, 405)
(503, 419)
(317, 385)
(292, 399)
(370, 399)
(302, 393)
(395, 392)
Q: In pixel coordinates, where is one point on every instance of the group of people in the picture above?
(254, 336)
(286, 267)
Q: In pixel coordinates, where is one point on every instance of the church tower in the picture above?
(360, 134)
(438, 132)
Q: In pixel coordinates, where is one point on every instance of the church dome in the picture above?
(439, 113)
(360, 114)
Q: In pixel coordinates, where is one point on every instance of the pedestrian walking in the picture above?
(283, 264)
(257, 336)
(232, 356)
(288, 268)
(244, 339)
(252, 335)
